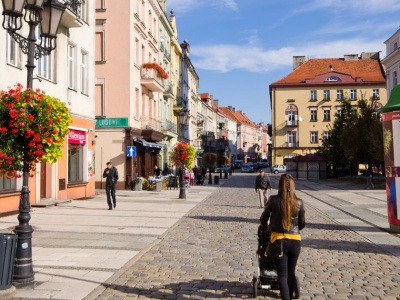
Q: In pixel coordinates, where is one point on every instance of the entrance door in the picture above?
(42, 180)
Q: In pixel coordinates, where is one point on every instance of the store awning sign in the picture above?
(76, 137)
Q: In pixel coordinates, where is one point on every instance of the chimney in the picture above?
(349, 57)
(230, 107)
(370, 55)
(216, 103)
(298, 61)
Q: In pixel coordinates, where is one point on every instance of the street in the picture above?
(156, 246)
(210, 253)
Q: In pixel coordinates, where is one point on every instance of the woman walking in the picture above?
(284, 216)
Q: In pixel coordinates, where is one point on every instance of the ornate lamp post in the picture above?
(183, 120)
(48, 14)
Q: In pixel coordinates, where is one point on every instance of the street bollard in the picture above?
(391, 147)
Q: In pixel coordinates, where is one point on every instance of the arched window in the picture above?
(291, 115)
(333, 78)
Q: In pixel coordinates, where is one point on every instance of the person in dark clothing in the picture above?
(284, 216)
(263, 187)
(157, 171)
(111, 175)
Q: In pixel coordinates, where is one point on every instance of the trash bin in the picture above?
(8, 247)
(216, 179)
(158, 186)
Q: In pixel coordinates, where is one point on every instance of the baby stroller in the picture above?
(266, 277)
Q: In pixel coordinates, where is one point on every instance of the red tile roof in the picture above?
(360, 70)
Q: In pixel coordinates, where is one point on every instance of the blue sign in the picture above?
(130, 151)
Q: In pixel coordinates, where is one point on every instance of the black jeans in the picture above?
(110, 191)
(285, 254)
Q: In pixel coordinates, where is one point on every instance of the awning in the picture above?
(149, 144)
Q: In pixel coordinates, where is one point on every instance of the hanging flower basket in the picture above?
(160, 71)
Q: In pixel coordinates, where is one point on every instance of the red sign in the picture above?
(76, 137)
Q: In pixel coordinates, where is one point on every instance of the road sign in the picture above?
(130, 151)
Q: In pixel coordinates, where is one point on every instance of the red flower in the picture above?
(30, 117)
(13, 113)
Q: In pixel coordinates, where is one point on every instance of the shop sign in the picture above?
(76, 137)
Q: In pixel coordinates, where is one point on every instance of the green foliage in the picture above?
(355, 135)
(33, 126)
(209, 160)
(221, 160)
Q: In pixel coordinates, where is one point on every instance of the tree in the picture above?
(355, 135)
(208, 161)
(33, 126)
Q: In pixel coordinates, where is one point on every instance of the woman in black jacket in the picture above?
(284, 216)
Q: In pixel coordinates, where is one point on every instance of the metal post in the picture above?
(182, 192)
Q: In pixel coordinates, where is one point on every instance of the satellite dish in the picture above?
(300, 119)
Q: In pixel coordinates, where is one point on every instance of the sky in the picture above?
(239, 47)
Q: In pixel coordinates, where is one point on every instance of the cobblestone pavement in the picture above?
(210, 254)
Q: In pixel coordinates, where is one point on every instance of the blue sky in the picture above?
(239, 47)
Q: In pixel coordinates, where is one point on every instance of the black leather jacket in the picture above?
(272, 213)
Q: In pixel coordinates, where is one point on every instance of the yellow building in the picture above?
(305, 102)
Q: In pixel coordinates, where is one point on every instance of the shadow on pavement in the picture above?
(225, 219)
(196, 289)
(344, 227)
(347, 246)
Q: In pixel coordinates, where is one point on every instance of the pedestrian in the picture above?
(157, 171)
(111, 175)
(284, 217)
(263, 187)
(370, 184)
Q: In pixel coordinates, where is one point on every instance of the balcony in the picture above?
(151, 80)
(179, 103)
(291, 123)
(72, 14)
(150, 123)
(168, 92)
(292, 144)
(169, 128)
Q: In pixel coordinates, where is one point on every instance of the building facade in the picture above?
(304, 102)
(66, 73)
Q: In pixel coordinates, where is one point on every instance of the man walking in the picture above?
(263, 188)
(111, 175)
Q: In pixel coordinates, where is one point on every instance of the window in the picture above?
(326, 135)
(84, 73)
(291, 115)
(100, 41)
(314, 137)
(327, 95)
(84, 11)
(291, 135)
(394, 78)
(375, 94)
(353, 94)
(100, 5)
(333, 78)
(45, 66)
(395, 46)
(75, 163)
(327, 114)
(137, 52)
(313, 112)
(13, 53)
(313, 95)
(100, 107)
(339, 95)
(339, 111)
(72, 66)
(7, 184)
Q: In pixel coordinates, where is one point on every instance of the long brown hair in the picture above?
(289, 200)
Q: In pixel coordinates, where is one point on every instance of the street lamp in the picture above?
(48, 14)
(183, 120)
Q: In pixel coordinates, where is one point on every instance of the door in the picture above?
(43, 180)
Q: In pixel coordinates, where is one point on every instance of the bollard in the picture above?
(391, 148)
(216, 179)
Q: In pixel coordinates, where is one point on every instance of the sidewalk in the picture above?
(78, 245)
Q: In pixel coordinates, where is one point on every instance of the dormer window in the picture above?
(333, 78)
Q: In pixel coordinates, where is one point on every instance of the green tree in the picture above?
(355, 135)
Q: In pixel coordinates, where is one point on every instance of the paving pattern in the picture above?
(210, 252)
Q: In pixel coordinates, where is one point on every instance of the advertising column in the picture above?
(391, 146)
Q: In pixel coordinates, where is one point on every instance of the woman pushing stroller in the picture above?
(284, 216)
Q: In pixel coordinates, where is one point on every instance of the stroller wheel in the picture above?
(296, 293)
(255, 287)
